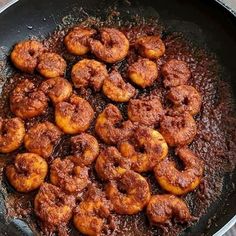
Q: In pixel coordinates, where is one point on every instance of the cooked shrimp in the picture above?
(76, 41)
(162, 208)
(110, 164)
(129, 194)
(115, 88)
(175, 73)
(53, 207)
(28, 172)
(153, 149)
(89, 73)
(185, 98)
(84, 148)
(180, 182)
(143, 72)
(42, 138)
(113, 47)
(51, 65)
(150, 46)
(26, 101)
(57, 89)
(178, 129)
(68, 176)
(92, 214)
(73, 116)
(25, 55)
(12, 132)
(106, 124)
(146, 111)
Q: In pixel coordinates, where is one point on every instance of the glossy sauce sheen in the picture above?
(214, 142)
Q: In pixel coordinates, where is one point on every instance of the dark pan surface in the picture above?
(204, 22)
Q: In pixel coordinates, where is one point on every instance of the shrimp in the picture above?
(27, 173)
(53, 207)
(113, 47)
(12, 132)
(185, 98)
(175, 73)
(178, 129)
(51, 65)
(68, 176)
(143, 72)
(74, 116)
(26, 101)
(89, 73)
(145, 111)
(115, 88)
(106, 124)
(110, 164)
(76, 41)
(129, 194)
(93, 213)
(85, 149)
(151, 47)
(146, 150)
(180, 182)
(25, 55)
(162, 208)
(57, 89)
(42, 138)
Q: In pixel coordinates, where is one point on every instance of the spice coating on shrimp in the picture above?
(28, 172)
(162, 208)
(113, 47)
(180, 182)
(26, 101)
(12, 132)
(25, 55)
(106, 123)
(136, 197)
(74, 116)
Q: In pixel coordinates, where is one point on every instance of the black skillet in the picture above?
(205, 21)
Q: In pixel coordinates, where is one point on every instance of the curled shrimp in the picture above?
(110, 164)
(180, 182)
(93, 213)
(25, 55)
(84, 148)
(89, 72)
(26, 101)
(129, 194)
(113, 47)
(76, 41)
(175, 73)
(27, 173)
(106, 123)
(57, 89)
(53, 207)
(143, 72)
(68, 176)
(145, 111)
(150, 46)
(12, 132)
(42, 138)
(147, 148)
(185, 98)
(162, 208)
(178, 129)
(73, 116)
(51, 65)
(115, 88)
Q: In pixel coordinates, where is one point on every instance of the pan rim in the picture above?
(232, 221)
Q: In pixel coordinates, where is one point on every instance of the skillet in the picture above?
(205, 22)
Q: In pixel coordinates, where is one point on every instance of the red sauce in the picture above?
(214, 142)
